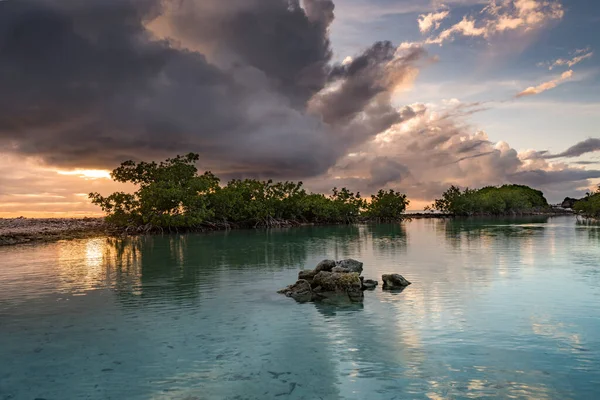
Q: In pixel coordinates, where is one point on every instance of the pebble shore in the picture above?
(26, 230)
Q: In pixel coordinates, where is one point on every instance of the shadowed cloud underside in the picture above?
(252, 86)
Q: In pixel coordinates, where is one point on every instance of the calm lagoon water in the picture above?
(497, 309)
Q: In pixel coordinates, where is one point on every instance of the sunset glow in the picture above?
(87, 173)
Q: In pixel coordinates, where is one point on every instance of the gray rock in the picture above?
(340, 298)
(352, 265)
(325, 265)
(394, 281)
(341, 270)
(307, 274)
(299, 291)
(369, 284)
(337, 282)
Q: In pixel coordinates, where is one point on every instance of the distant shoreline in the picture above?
(39, 230)
(22, 230)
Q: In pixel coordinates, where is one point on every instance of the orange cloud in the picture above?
(431, 21)
(533, 90)
(31, 189)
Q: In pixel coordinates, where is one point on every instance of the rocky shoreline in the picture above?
(32, 230)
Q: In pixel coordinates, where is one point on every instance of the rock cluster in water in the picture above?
(338, 279)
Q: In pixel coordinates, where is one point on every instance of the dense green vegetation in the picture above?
(589, 206)
(503, 200)
(172, 195)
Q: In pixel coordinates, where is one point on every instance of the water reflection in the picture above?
(497, 309)
(183, 266)
(461, 230)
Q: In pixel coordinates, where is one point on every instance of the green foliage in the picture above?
(387, 206)
(172, 195)
(589, 206)
(490, 200)
(169, 194)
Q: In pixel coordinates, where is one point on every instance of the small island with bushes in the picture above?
(173, 197)
(492, 201)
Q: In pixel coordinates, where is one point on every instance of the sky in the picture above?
(412, 95)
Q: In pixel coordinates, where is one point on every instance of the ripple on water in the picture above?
(497, 309)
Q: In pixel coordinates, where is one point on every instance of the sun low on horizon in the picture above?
(409, 95)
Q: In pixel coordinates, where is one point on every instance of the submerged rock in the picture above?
(329, 302)
(369, 284)
(351, 265)
(394, 281)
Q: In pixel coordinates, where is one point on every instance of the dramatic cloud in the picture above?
(542, 87)
(503, 16)
(431, 21)
(249, 85)
(89, 84)
(434, 149)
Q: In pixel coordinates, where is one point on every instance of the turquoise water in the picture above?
(497, 309)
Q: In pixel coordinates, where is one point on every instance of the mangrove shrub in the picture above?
(172, 195)
(589, 206)
(491, 200)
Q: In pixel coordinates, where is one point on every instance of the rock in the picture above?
(394, 281)
(341, 270)
(330, 279)
(369, 284)
(568, 202)
(325, 265)
(339, 299)
(352, 265)
(307, 274)
(299, 291)
(337, 282)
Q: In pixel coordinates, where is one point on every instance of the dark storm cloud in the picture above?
(92, 83)
(85, 82)
(587, 146)
(288, 43)
(363, 79)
